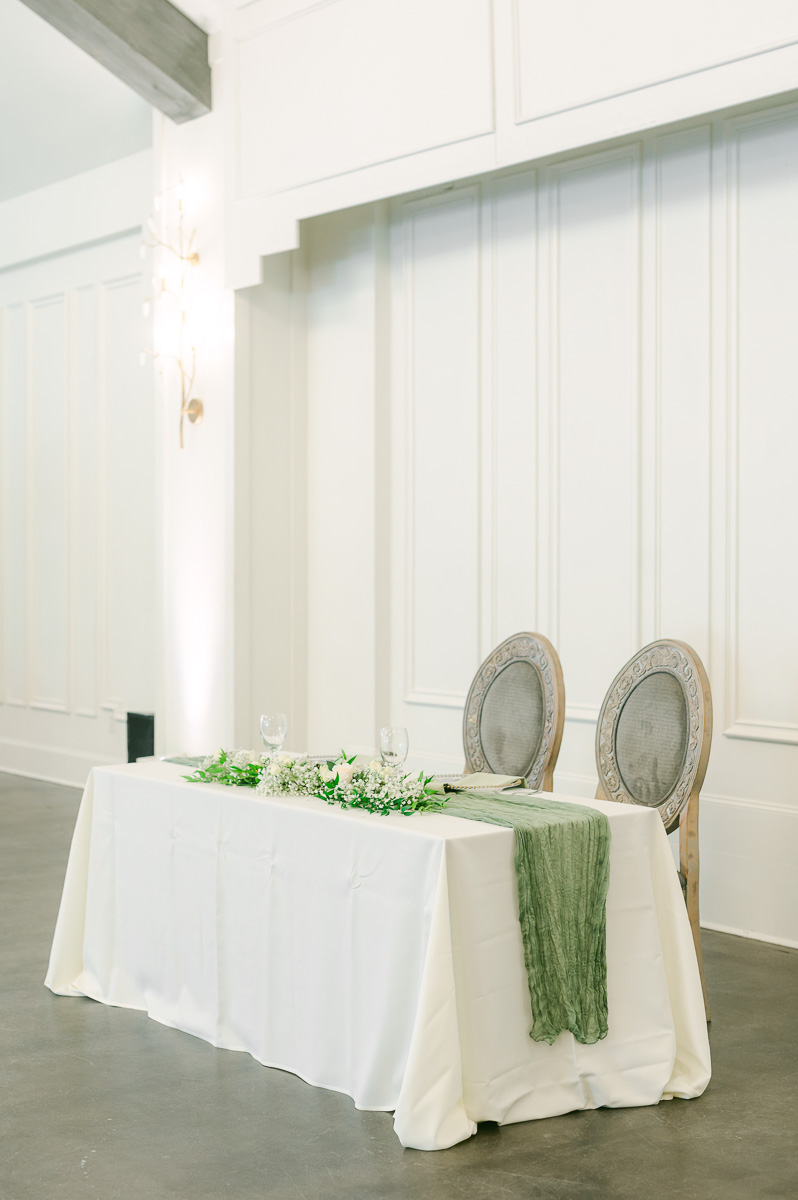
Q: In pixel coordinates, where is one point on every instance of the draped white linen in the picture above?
(376, 956)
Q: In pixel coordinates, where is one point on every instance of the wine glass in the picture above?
(273, 728)
(393, 746)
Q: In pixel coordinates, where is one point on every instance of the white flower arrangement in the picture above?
(376, 788)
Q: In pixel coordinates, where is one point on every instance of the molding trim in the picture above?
(75, 337)
(3, 501)
(522, 118)
(573, 784)
(749, 933)
(587, 713)
(737, 727)
(773, 806)
(52, 764)
(107, 702)
(762, 731)
(660, 149)
(249, 29)
(435, 699)
(251, 20)
(104, 203)
(41, 778)
(7, 505)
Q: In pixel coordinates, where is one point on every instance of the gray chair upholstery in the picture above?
(651, 737)
(652, 747)
(655, 729)
(513, 718)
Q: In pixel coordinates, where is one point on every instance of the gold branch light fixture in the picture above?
(175, 337)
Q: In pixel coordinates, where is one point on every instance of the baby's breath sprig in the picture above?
(375, 788)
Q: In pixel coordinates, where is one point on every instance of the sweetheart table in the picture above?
(379, 956)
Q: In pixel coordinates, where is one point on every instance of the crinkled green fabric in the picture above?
(562, 865)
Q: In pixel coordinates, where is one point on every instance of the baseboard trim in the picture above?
(749, 933)
(42, 778)
(773, 806)
(51, 764)
(727, 824)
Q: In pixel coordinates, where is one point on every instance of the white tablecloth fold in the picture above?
(376, 956)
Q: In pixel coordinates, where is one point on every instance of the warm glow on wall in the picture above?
(177, 310)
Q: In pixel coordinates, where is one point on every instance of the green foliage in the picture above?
(223, 770)
(374, 788)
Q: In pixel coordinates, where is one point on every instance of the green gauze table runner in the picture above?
(562, 865)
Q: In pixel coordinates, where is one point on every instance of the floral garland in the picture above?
(375, 788)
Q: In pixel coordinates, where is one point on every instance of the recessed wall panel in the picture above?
(763, 475)
(341, 468)
(84, 497)
(48, 497)
(319, 94)
(594, 439)
(682, 399)
(509, 295)
(442, 271)
(128, 518)
(14, 502)
(572, 53)
(76, 477)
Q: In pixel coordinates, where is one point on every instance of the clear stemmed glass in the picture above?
(273, 728)
(393, 746)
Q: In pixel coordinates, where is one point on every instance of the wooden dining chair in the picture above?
(652, 747)
(514, 713)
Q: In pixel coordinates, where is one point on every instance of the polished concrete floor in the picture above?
(101, 1102)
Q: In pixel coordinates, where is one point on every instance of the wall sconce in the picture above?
(172, 286)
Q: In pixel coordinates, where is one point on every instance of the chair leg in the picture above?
(689, 862)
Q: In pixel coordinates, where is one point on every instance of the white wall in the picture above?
(77, 485)
(270, 502)
(195, 491)
(142, 553)
(344, 102)
(561, 400)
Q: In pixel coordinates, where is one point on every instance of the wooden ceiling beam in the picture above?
(149, 44)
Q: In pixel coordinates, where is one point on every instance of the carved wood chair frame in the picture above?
(538, 651)
(680, 806)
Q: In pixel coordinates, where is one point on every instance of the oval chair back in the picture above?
(514, 713)
(653, 739)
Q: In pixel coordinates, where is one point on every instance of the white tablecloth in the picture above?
(377, 956)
